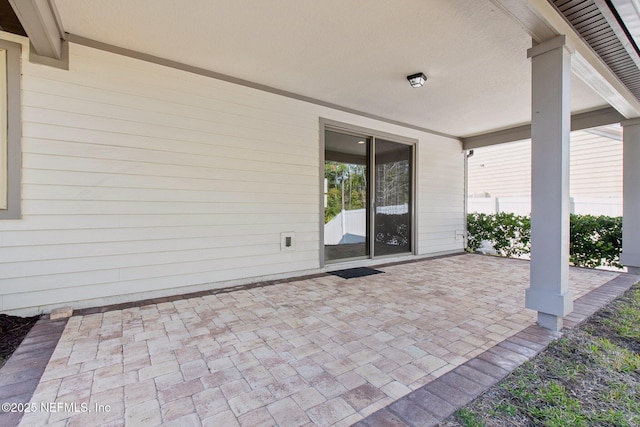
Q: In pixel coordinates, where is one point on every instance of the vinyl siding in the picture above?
(141, 180)
(500, 170)
(596, 166)
(505, 170)
(441, 205)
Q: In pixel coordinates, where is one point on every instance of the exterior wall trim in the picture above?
(14, 131)
(62, 63)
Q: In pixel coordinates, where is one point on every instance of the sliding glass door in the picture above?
(346, 177)
(368, 188)
(393, 198)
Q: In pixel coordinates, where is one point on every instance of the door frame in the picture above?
(328, 124)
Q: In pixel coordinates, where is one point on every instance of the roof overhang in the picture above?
(543, 22)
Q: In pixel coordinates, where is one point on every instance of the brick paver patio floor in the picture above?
(322, 351)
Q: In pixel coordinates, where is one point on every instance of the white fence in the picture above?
(393, 210)
(351, 226)
(346, 227)
(610, 206)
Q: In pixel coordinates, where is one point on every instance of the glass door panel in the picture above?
(392, 220)
(346, 206)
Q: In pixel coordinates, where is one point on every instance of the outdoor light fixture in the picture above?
(417, 80)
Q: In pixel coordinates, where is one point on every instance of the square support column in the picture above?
(549, 292)
(630, 257)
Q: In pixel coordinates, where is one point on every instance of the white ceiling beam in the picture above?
(41, 22)
(580, 121)
(543, 22)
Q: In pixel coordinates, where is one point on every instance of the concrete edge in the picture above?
(20, 375)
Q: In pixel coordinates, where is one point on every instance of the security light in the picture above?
(417, 80)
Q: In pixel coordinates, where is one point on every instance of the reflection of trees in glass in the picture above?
(347, 188)
(392, 183)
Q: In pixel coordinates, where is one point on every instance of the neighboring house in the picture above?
(158, 148)
(499, 177)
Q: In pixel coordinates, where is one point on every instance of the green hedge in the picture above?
(508, 233)
(594, 240)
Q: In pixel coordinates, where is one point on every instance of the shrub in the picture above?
(594, 240)
(509, 234)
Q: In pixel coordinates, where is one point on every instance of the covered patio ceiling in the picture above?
(352, 54)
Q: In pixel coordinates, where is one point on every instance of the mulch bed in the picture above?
(13, 329)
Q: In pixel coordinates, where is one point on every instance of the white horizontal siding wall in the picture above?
(502, 170)
(505, 170)
(441, 203)
(141, 180)
(596, 166)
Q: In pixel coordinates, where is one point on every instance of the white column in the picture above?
(549, 292)
(631, 196)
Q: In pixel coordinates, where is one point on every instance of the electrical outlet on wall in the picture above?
(287, 241)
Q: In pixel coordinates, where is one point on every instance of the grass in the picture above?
(469, 418)
(589, 377)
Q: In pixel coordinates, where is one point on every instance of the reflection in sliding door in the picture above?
(346, 222)
(392, 198)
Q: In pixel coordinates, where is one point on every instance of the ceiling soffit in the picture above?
(602, 29)
(341, 54)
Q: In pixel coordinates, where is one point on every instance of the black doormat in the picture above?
(350, 273)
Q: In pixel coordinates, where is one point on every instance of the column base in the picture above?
(633, 270)
(549, 302)
(629, 259)
(550, 321)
